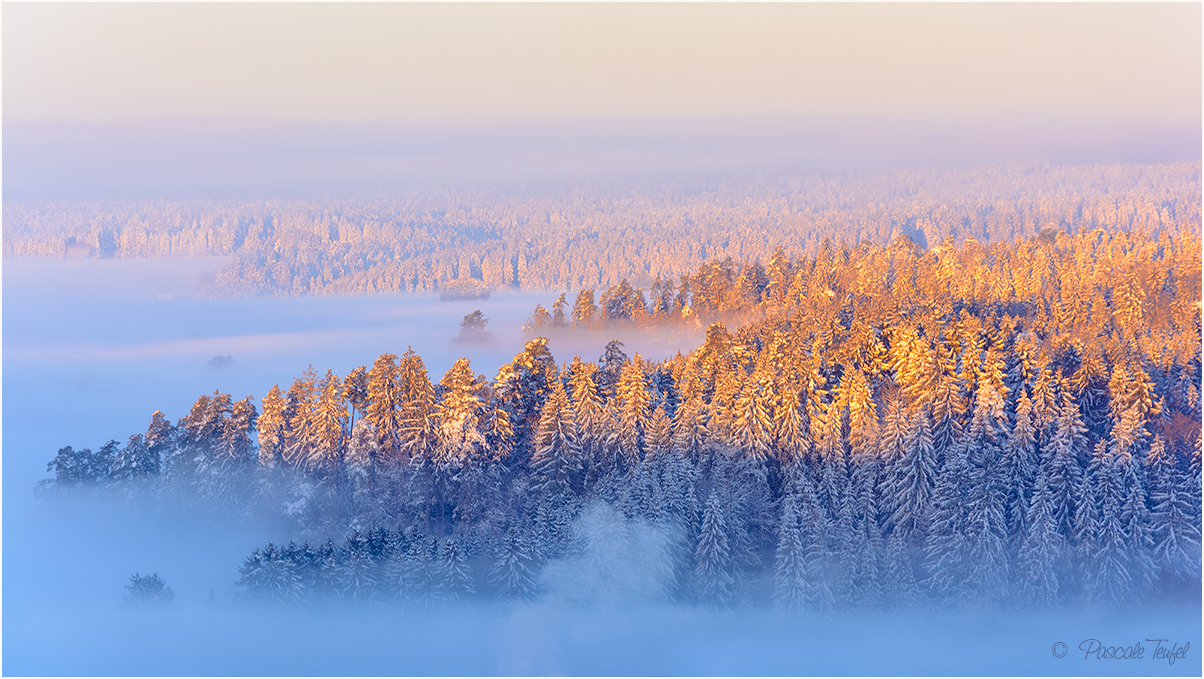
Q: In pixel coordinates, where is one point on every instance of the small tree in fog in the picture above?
(472, 328)
(147, 590)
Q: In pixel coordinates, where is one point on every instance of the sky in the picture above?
(155, 97)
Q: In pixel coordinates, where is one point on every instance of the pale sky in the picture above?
(1126, 63)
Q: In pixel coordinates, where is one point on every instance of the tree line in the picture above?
(593, 235)
(1014, 424)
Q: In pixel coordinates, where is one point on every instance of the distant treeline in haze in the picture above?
(1016, 424)
(593, 235)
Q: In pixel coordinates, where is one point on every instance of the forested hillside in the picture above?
(1015, 424)
(595, 234)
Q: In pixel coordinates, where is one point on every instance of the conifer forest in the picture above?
(876, 424)
(602, 339)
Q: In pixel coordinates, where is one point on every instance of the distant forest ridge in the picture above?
(594, 235)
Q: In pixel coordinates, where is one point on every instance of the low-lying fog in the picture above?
(92, 348)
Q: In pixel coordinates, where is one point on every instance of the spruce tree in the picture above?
(1110, 577)
(712, 557)
(947, 545)
(1020, 464)
(1042, 550)
(913, 480)
(790, 565)
(1174, 525)
(513, 570)
(634, 401)
(556, 462)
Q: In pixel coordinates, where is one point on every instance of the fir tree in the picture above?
(452, 577)
(556, 463)
(513, 570)
(913, 481)
(384, 407)
(273, 428)
(790, 566)
(712, 557)
(947, 544)
(459, 437)
(634, 401)
(1109, 577)
(1019, 471)
(1042, 550)
(1061, 457)
(1174, 524)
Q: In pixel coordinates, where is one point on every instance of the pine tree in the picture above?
(1020, 470)
(1110, 580)
(267, 575)
(690, 428)
(752, 427)
(866, 547)
(1135, 517)
(947, 542)
(513, 569)
(634, 400)
(864, 430)
(610, 368)
(913, 480)
(417, 434)
(556, 463)
(1088, 522)
(984, 520)
(816, 530)
(587, 406)
(1061, 457)
(136, 461)
(273, 428)
(361, 452)
(792, 426)
(145, 590)
(331, 423)
(452, 577)
(384, 407)
(712, 557)
(900, 590)
(302, 437)
(459, 437)
(584, 309)
(1174, 526)
(895, 430)
(1042, 550)
(790, 566)
(355, 394)
(521, 387)
(357, 577)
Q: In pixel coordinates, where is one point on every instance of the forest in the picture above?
(595, 234)
(886, 426)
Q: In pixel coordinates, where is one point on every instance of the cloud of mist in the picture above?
(618, 561)
(248, 160)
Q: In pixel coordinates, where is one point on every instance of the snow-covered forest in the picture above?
(1015, 425)
(594, 234)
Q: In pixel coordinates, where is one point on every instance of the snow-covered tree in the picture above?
(712, 557)
(556, 462)
(1174, 523)
(631, 392)
(913, 480)
(514, 566)
(1042, 550)
(790, 565)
